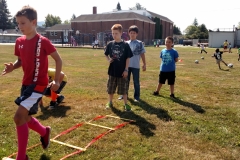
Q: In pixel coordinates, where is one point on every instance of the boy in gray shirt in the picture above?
(134, 65)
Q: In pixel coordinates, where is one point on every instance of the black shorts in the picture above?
(30, 96)
(170, 76)
(48, 90)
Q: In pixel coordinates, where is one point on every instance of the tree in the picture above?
(119, 7)
(195, 22)
(66, 22)
(176, 30)
(196, 32)
(51, 20)
(5, 17)
(138, 7)
(73, 16)
(158, 29)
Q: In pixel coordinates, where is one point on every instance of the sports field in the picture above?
(202, 123)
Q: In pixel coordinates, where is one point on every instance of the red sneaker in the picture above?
(46, 138)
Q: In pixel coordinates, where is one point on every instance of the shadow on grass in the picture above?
(59, 111)
(144, 126)
(195, 107)
(159, 112)
(44, 157)
(224, 69)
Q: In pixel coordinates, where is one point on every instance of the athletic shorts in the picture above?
(30, 96)
(170, 76)
(117, 82)
(225, 47)
(218, 61)
(48, 90)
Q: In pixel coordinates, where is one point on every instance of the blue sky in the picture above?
(214, 14)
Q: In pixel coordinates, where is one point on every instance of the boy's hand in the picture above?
(125, 74)
(144, 67)
(54, 86)
(8, 68)
(110, 60)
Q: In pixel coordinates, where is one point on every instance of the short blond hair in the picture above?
(117, 27)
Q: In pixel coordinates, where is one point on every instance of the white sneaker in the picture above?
(135, 100)
(120, 97)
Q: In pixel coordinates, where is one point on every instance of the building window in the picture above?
(55, 33)
(51, 33)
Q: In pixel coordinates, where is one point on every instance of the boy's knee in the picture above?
(19, 119)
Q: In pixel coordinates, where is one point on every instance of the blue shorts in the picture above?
(30, 96)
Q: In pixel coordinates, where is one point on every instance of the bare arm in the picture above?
(9, 67)
(58, 62)
(61, 77)
(176, 59)
(144, 61)
(125, 72)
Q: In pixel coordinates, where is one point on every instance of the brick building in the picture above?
(59, 33)
(95, 23)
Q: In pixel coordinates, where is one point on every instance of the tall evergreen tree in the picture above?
(195, 22)
(176, 30)
(119, 7)
(5, 17)
(73, 16)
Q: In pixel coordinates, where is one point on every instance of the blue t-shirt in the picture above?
(168, 60)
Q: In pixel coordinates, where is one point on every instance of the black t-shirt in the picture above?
(119, 52)
(218, 55)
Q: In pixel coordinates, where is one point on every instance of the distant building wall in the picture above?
(216, 39)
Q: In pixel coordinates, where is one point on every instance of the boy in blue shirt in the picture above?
(167, 69)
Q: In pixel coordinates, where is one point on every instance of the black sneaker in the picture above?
(60, 99)
(46, 138)
(27, 158)
(53, 105)
(172, 96)
(155, 93)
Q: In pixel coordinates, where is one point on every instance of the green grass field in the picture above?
(202, 124)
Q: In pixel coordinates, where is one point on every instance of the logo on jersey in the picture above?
(37, 61)
(20, 46)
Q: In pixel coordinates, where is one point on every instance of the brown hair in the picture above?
(170, 38)
(27, 11)
(133, 28)
(117, 27)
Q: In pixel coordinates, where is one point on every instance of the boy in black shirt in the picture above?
(218, 56)
(118, 54)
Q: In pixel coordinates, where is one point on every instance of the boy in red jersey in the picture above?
(32, 51)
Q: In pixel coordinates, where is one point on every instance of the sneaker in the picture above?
(172, 96)
(46, 138)
(60, 99)
(27, 158)
(120, 97)
(53, 105)
(109, 105)
(136, 100)
(155, 93)
(127, 108)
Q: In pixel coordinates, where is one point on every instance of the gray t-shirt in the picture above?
(137, 49)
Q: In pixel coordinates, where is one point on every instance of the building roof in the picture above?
(112, 17)
(60, 27)
(161, 17)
